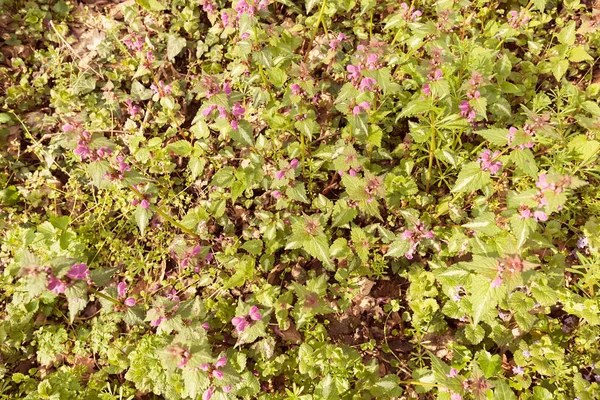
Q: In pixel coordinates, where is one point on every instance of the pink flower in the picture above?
(79, 271)
(496, 282)
(453, 373)
(525, 213)
(129, 302)
(67, 127)
(336, 42)
(242, 322)
(365, 105)
(296, 89)
(367, 84)
(426, 90)
(276, 194)
(132, 109)
(206, 326)
(294, 164)
(208, 393)
(352, 172)
(237, 110)
(56, 285)
(123, 166)
(466, 111)
(144, 204)
(455, 396)
(227, 88)
(245, 35)
(121, 290)
(204, 367)
(279, 175)
(407, 234)
(234, 124)
(227, 389)
(208, 110)
(372, 61)
(157, 321)
(221, 362)
(540, 216)
(218, 374)
(354, 71)
(510, 136)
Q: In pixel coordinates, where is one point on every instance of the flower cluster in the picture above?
(122, 295)
(486, 162)
(161, 89)
(214, 368)
(76, 272)
(244, 321)
(414, 237)
(237, 112)
(409, 13)
(517, 19)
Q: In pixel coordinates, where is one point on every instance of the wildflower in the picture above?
(188, 255)
(214, 369)
(130, 302)
(525, 213)
(121, 290)
(510, 136)
(486, 164)
(156, 322)
(227, 389)
(336, 42)
(227, 88)
(453, 373)
(436, 76)
(367, 84)
(518, 370)
(206, 326)
(150, 56)
(132, 109)
(426, 90)
(496, 282)
(56, 285)
(526, 354)
(466, 111)
(455, 396)
(242, 322)
(208, 110)
(582, 242)
(123, 166)
(136, 45)
(67, 127)
(540, 215)
(225, 18)
(354, 72)
(208, 393)
(361, 107)
(296, 89)
(83, 148)
(161, 90)
(372, 61)
(294, 163)
(79, 271)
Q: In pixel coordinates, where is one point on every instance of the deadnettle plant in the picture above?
(243, 321)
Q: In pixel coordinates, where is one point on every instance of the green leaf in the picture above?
(244, 135)
(567, 34)
(298, 193)
(471, 178)
(522, 228)
(578, 54)
(544, 295)
(490, 364)
(196, 166)
(244, 271)
(559, 68)
(398, 248)
(482, 298)
(277, 77)
(142, 218)
(139, 92)
(77, 298)
(387, 387)
(525, 161)
(175, 44)
(497, 136)
(180, 147)
(151, 5)
(253, 246)
(591, 107)
(485, 223)
(223, 178)
(195, 381)
(502, 390)
(5, 118)
(414, 107)
(84, 85)
(318, 247)
(342, 214)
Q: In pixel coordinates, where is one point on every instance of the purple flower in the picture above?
(466, 111)
(455, 396)
(426, 90)
(242, 322)
(227, 389)
(121, 290)
(372, 61)
(129, 302)
(485, 161)
(276, 194)
(206, 326)
(157, 321)
(518, 370)
(79, 271)
(367, 84)
(540, 216)
(237, 110)
(453, 373)
(354, 71)
(407, 234)
(227, 88)
(208, 110)
(56, 285)
(582, 242)
(144, 204)
(208, 393)
(279, 175)
(496, 282)
(67, 127)
(234, 124)
(526, 354)
(123, 166)
(296, 89)
(294, 163)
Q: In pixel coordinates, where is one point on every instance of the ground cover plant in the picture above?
(333, 199)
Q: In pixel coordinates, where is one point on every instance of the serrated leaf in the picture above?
(414, 107)
(502, 390)
(485, 223)
(490, 364)
(318, 247)
(522, 228)
(388, 386)
(342, 214)
(471, 178)
(567, 34)
(244, 271)
(298, 193)
(84, 85)
(559, 68)
(525, 161)
(482, 298)
(398, 248)
(544, 295)
(5, 118)
(497, 136)
(310, 4)
(77, 298)
(591, 107)
(277, 77)
(578, 54)
(244, 135)
(180, 147)
(253, 246)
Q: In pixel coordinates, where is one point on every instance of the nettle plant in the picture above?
(328, 200)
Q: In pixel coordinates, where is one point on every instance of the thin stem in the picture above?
(100, 294)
